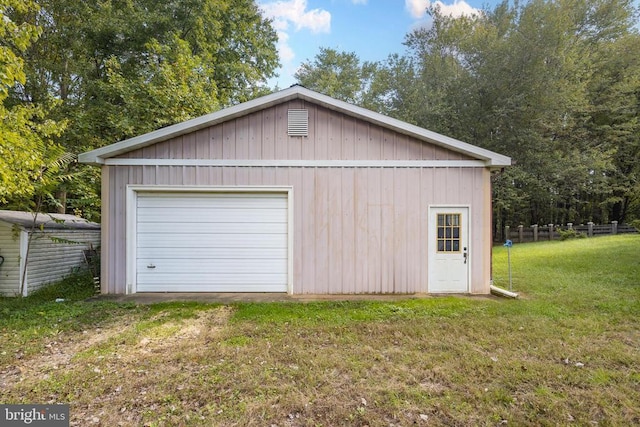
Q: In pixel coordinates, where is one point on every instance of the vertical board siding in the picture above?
(361, 227)
(263, 135)
(348, 236)
(372, 199)
(387, 231)
(402, 232)
(356, 230)
(319, 252)
(305, 197)
(106, 218)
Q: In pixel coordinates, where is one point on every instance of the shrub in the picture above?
(570, 233)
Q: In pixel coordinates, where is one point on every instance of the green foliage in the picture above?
(27, 153)
(112, 70)
(15, 38)
(552, 84)
(38, 319)
(343, 312)
(335, 74)
(565, 348)
(42, 303)
(515, 80)
(174, 87)
(570, 233)
(77, 286)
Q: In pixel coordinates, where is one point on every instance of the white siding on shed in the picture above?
(50, 260)
(211, 242)
(10, 268)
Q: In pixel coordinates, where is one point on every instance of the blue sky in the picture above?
(372, 29)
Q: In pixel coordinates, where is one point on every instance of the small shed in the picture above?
(58, 243)
(300, 193)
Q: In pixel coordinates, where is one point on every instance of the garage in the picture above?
(295, 192)
(211, 242)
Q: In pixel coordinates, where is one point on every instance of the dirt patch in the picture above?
(170, 336)
(57, 354)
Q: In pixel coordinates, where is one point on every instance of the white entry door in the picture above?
(449, 249)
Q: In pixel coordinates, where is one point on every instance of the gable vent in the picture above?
(298, 124)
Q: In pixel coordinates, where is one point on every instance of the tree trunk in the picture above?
(61, 195)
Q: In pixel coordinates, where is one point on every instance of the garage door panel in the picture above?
(197, 241)
(222, 202)
(206, 287)
(162, 195)
(214, 214)
(217, 253)
(170, 266)
(214, 278)
(212, 227)
(211, 242)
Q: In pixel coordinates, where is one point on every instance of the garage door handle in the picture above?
(151, 266)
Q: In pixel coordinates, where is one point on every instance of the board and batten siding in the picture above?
(263, 136)
(10, 268)
(355, 229)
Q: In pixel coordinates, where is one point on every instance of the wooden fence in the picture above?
(535, 233)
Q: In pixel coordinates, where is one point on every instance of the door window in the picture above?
(448, 232)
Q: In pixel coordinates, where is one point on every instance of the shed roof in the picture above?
(48, 221)
(99, 155)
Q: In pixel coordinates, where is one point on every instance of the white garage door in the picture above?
(211, 242)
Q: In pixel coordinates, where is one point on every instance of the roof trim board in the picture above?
(98, 156)
(46, 221)
(298, 163)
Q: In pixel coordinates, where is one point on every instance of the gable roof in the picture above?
(99, 155)
(47, 221)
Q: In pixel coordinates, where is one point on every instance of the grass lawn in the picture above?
(566, 353)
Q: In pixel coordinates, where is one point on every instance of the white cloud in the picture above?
(418, 8)
(295, 12)
(292, 15)
(286, 53)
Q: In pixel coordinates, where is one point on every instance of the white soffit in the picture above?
(99, 155)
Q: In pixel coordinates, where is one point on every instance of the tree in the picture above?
(518, 80)
(24, 135)
(115, 69)
(335, 74)
(615, 121)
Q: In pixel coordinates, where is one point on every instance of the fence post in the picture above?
(520, 233)
(507, 236)
(550, 231)
(590, 229)
(614, 227)
(570, 225)
(535, 232)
